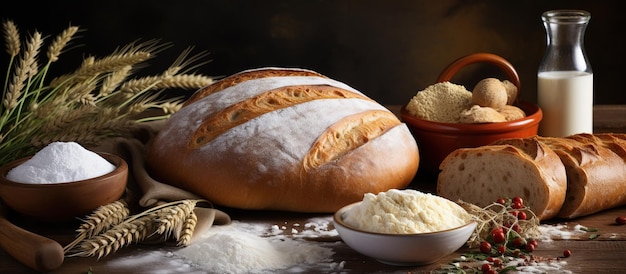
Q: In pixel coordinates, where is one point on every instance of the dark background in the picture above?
(387, 49)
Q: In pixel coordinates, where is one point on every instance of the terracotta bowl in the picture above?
(63, 201)
(436, 140)
(402, 249)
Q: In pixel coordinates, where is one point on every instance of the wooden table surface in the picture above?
(603, 254)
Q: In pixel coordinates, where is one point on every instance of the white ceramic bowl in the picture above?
(402, 249)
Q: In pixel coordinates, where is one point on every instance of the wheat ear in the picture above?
(170, 220)
(115, 238)
(56, 48)
(186, 233)
(100, 220)
(113, 80)
(26, 68)
(11, 38)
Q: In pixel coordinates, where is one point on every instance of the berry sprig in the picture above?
(514, 221)
(505, 239)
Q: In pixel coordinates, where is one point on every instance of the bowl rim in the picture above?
(120, 167)
(528, 121)
(338, 219)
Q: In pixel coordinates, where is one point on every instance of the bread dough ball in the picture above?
(511, 113)
(477, 114)
(511, 92)
(490, 92)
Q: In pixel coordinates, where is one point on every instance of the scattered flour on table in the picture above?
(538, 267)
(60, 162)
(246, 247)
(521, 266)
(549, 232)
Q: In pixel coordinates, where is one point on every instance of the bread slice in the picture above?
(596, 172)
(523, 167)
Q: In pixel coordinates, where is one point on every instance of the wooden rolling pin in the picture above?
(35, 251)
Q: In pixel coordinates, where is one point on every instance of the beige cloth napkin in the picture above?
(153, 192)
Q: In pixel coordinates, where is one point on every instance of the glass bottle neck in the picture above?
(565, 32)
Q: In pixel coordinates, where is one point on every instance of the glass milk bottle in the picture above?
(564, 78)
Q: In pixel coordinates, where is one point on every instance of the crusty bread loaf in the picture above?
(596, 174)
(283, 139)
(524, 167)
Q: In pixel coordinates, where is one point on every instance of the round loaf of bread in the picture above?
(283, 139)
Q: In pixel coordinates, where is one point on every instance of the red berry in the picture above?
(516, 228)
(501, 249)
(501, 201)
(485, 247)
(516, 253)
(517, 199)
(507, 224)
(485, 267)
(497, 230)
(498, 237)
(519, 242)
(621, 220)
(530, 247)
(533, 242)
(567, 253)
(514, 213)
(521, 215)
(516, 205)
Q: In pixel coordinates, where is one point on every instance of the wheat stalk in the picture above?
(115, 238)
(31, 104)
(26, 68)
(175, 219)
(188, 227)
(129, 55)
(57, 46)
(171, 220)
(113, 80)
(12, 38)
(100, 220)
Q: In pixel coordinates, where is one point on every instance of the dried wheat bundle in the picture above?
(105, 231)
(99, 99)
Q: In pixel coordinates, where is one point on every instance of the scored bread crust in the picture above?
(596, 172)
(523, 167)
(257, 158)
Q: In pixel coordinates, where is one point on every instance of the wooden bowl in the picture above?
(436, 140)
(63, 201)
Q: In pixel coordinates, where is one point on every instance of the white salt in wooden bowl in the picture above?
(63, 201)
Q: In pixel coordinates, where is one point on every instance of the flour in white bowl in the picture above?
(60, 162)
(404, 212)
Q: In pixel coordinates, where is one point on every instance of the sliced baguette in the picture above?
(596, 172)
(524, 167)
